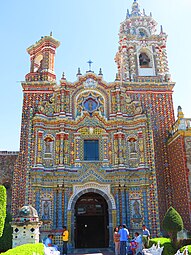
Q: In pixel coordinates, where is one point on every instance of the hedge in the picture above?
(166, 242)
(26, 249)
(3, 199)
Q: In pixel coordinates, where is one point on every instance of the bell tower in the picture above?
(42, 55)
(143, 72)
(141, 51)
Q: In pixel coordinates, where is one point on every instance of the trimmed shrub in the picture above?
(172, 223)
(184, 247)
(166, 242)
(6, 239)
(3, 199)
(26, 249)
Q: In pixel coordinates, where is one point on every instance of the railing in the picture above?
(9, 153)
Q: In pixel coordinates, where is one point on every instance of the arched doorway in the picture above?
(91, 221)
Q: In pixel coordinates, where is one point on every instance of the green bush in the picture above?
(3, 199)
(26, 249)
(6, 239)
(172, 223)
(184, 247)
(166, 242)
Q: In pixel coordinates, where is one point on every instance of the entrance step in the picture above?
(97, 251)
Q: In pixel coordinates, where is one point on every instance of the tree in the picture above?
(6, 239)
(172, 223)
(3, 199)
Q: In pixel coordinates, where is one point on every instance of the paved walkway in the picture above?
(94, 251)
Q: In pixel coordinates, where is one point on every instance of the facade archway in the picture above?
(108, 206)
(91, 221)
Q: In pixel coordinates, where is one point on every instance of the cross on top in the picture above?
(90, 64)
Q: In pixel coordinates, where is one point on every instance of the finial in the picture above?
(79, 72)
(135, 9)
(180, 114)
(90, 64)
(117, 77)
(127, 15)
(63, 76)
(50, 33)
(100, 72)
(161, 29)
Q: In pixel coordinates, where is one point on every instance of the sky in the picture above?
(86, 30)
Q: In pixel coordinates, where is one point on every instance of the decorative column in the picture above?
(60, 207)
(141, 148)
(159, 61)
(125, 63)
(117, 207)
(55, 210)
(145, 206)
(116, 153)
(113, 103)
(66, 147)
(65, 207)
(57, 149)
(123, 203)
(37, 200)
(118, 92)
(132, 62)
(105, 150)
(61, 149)
(77, 149)
(128, 215)
(39, 148)
(121, 137)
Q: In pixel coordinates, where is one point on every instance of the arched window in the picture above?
(144, 60)
(38, 63)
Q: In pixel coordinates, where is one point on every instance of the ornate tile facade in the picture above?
(129, 119)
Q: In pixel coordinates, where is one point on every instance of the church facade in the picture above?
(95, 153)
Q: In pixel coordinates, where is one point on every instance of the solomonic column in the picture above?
(39, 148)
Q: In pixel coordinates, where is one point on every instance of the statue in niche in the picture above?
(144, 60)
(48, 143)
(136, 212)
(132, 145)
(90, 105)
(46, 210)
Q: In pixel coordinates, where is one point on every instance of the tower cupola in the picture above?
(135, 9)
(42, 55)
(142, 52)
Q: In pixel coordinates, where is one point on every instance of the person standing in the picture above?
(65, 236)
(146, 236)
(124, 235)
(116, 239)
(139, 244)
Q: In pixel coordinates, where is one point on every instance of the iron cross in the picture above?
(90, 63)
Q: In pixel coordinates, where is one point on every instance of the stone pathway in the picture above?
(93, 251)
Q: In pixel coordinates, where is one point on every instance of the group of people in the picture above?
(121, 238)
(65, 235)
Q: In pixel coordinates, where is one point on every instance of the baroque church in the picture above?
(96, 153)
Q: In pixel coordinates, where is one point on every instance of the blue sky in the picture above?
(86, 30)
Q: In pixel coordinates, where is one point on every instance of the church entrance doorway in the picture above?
(91, 221)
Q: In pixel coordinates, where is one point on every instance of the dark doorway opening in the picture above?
(91, 221)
